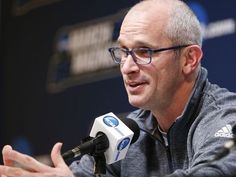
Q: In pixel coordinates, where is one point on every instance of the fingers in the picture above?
(29, 167)
(5, 152)
(25, 161)
(57, 159)
(6, 171)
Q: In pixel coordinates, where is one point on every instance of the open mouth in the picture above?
(134, 86)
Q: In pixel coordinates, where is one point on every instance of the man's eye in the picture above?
(143, 52)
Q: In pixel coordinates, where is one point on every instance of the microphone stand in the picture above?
(94, 147)
(100, 164)
(99, 157)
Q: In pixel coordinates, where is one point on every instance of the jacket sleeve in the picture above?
(85, 168)
(221, 168)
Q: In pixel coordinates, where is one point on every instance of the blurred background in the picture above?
(56, 75)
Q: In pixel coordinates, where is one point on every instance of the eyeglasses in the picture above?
(141, 56)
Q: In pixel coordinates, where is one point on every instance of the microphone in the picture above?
(109, 135)
(228, 146)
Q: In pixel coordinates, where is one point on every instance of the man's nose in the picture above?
(129, 65)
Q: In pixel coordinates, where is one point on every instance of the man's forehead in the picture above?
(141, 33)
(146, 14)
(146, 40)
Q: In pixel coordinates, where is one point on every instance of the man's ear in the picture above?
(192, 57)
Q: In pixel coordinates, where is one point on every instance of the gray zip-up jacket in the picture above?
(193, 140)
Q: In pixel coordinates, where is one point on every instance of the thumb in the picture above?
(56, 155)
(5, 153)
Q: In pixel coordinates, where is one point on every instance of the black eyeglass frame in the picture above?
(149, 50)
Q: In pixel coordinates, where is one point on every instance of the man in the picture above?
(181, 113)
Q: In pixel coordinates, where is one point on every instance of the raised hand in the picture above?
(30, 167)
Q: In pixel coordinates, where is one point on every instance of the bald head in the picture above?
(151, 14)
(155, 8)
(170, 18)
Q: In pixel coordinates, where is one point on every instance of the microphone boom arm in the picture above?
(90, 145)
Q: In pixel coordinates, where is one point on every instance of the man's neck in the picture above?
(166, 117)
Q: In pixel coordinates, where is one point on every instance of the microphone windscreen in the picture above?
(234, 130)
(133, 126)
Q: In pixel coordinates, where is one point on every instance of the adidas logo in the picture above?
(225, 131)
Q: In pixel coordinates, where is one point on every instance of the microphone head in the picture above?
(133, 126)
(120, 133)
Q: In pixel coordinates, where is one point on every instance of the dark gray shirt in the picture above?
(193, 140)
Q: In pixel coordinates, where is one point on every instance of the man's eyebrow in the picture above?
(120, 42)
(144, 44)
(138, 43)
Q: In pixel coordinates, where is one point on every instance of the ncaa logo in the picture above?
(110, 121)
(123, 144)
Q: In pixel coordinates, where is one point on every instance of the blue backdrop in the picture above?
(33, 118)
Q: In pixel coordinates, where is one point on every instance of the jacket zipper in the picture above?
(169, 159)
